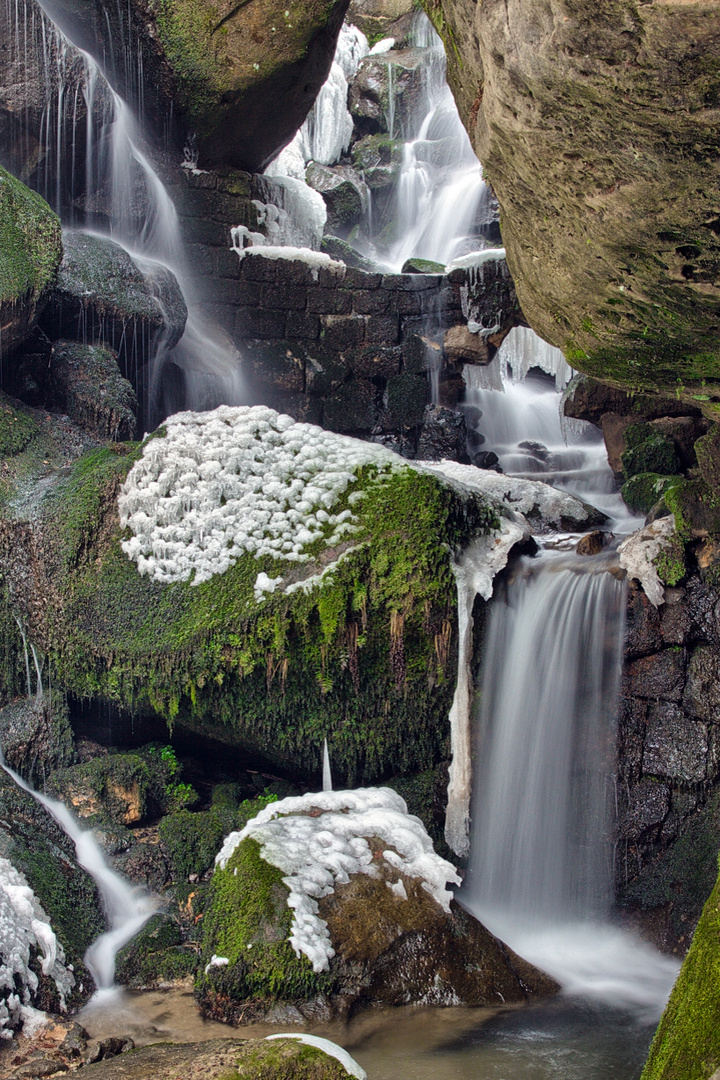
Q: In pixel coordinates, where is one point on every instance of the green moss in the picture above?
(248, 922)
(644, 490)
(649, 451)
(687, 1042)
(286, 1059)
(30, 241)
(16, 430)
(155, 955)
(187, 31)
(707, 450)
(361, 659)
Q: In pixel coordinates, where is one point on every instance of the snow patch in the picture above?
(331, 1049)
(531, 498)
(24, 925)
(383, 46)
(475, 259)
(217, 961)
(639, 552)
(316, 260)
(318, 852)
(236, 480)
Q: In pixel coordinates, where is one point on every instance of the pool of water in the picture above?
(561, 1039)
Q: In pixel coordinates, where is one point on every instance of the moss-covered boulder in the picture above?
(247, 74)
(156, 957)
(86, 383)
(687, 1042)
(645, 490)
(104, 295)
(36, 737)
(336, 901)
(224, 1059)
(595, 124)
(648, 450)
(30, 254)
(289, 619)
(344, 193)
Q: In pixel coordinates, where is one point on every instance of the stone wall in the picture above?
(338, 346)
(668, 796)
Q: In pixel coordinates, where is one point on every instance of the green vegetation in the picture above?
(155, 955)
(363, 658)
(247, 921)
(30, 241)
(687, 1042)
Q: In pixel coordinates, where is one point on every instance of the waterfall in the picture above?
(127, 908)
(540, 873)
(327, 784)
(97, 176)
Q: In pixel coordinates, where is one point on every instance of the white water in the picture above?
(512, 410)
(122, 188)
(127, 907)
(327, 784)
(541, 867)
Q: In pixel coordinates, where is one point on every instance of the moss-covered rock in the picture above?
(30, 254)
(36, 737)
(230, 1059)
(645, 489)
(363, 657)
(248, 74)
(156, 956)
(87, 384)
(648, 450)
(614, 246)
(422, 266)
(103, 295)
(344, 193)
(687, 1042)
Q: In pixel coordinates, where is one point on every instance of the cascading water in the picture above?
(96, 175)
(541, 865)
(127, 907)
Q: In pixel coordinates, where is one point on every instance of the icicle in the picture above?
(27, 654)
(327, 775)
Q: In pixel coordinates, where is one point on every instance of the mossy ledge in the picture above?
(365, 658)
(687, 1042)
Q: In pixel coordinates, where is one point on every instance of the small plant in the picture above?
(179, 795)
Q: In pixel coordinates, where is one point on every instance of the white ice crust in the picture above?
(331, 1049)
(24, 925)
(475, 259)
(235, 480)
(316, 260)
(639, 552)
(528, 497)
(316, 853)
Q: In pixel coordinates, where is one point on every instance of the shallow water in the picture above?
(556, 1040)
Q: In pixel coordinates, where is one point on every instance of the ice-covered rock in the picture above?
(638, 555)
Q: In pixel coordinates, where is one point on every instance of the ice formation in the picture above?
(316, 853)
(475, 259)
(316, 260)
(236, 480)
(474, 573)
(528, 497)
(383, 46)
(639, 552)
(216, 961)
(331, 1049)
(25, 926)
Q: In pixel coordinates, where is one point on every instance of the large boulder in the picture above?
(30, 254)
(247, 74)
(284, 599)
(86, 383)
(596, 126)
(35, 735)
(335, 901)
(103, 294)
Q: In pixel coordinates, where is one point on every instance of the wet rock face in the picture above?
(103, 295)
(247, 74)
(86, 382)
(30, 253)
(669, 760)
(36, 737)
(589, 118)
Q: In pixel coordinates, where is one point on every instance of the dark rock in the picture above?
(344, 193)
(102, 1049)
(30, 254)
(642, 627)
(649, 451)
(85, 381)
(250, 1059)
(103, 295)
(406, 400)
(443, 435)
(487, 459)
(278, 366)
(675, 747)
(462, 347)
(353, 407)
(340, 249)
(702, 689)
(645, 490)
(379, 158)
(592, 543)
(707, 450)
(38, 1068)
(369, 98)
(422, 266)
(155, 957)
(647, 807)
(661, 675)
(36, 737)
